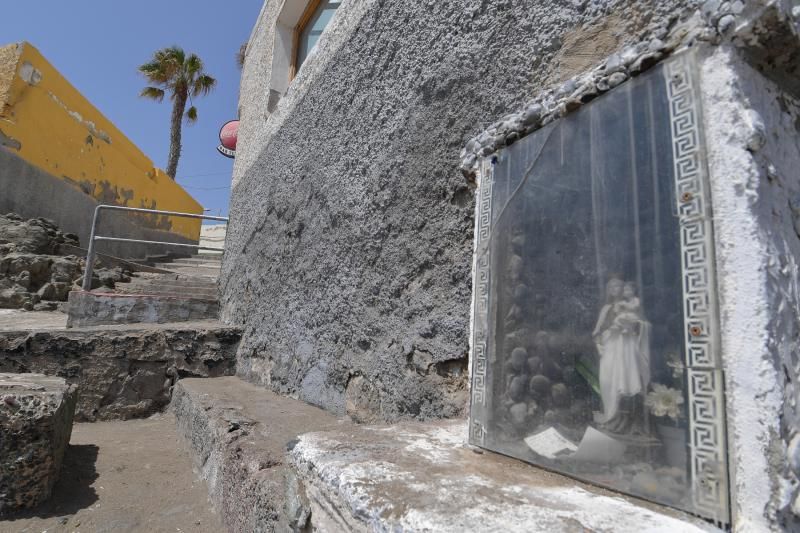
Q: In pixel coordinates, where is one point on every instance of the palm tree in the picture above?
(171, 70)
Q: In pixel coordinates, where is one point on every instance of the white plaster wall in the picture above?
(754, 157)
(257, 123)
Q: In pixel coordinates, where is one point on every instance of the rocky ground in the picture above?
(36, 271)
(121, 477)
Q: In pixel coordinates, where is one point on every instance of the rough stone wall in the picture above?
(348, 257)
(752, 128)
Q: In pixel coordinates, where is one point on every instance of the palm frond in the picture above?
(193, 65)
(191, 115)
(175, 53)
(152, 92)
(155, 72)
(203, 85)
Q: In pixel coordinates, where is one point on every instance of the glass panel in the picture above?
(310, 33)
(585, 264)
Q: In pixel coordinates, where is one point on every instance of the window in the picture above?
(315, 19)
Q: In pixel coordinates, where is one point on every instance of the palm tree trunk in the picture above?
(175, 134)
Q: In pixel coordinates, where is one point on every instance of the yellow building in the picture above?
(59, 157)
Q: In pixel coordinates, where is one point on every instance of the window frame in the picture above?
(306, 17)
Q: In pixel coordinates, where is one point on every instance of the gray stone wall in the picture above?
(348, 257)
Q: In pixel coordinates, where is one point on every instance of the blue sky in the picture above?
(97, 45)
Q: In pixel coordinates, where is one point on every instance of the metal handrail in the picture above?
(90, 254)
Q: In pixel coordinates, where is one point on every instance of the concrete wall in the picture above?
(349, 248)
(754, 151)
(61, 157)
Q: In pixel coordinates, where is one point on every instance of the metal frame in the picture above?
(90, 254)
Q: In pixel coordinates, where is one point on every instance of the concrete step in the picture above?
(277, 464)
(208, 272)
(194, 295)
(98, 308)
(122, 371)
(238, 434)
(174, 267)
(188, 285)
(199, 261)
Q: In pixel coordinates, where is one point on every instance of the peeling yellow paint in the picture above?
(55, 128)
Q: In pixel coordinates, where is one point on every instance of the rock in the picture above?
(540, 385)
(46, 306)
(614, 63)
(23, 279)
(560, 395)
(519, 358)
(532, 114)
(709, 8)
(62, 291)
(14, 298)
(47, 292)
(65, 269)
(518, 413)
(517, 389)
(726, 24)
(36, 424)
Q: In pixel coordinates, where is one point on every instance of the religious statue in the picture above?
(622, 338)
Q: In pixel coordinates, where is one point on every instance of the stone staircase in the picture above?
(192, 277)
(185, 289)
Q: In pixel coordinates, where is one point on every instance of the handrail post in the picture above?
(88, 270)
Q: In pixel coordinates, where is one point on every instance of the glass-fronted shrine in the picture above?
(594, 339)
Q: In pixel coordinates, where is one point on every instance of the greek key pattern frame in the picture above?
(480, 306)
(708, 455)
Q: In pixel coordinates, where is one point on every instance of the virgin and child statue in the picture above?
(622, 338)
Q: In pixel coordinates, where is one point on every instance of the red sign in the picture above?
(228, 135)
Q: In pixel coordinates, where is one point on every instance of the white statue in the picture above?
(622, 337)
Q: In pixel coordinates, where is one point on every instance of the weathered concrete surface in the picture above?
(16, 320)
(35, 425)
(751, 128)
(421, 477)
(350, 215)
(123, 477)
(97, 308)
(123, 372)
(238, 435)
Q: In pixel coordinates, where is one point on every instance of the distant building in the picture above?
(60, 157)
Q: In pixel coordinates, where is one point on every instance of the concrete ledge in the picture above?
(262, 476)
(35, 426)
(123, 371)
(238, 434)
(422, 477)
(92, 309)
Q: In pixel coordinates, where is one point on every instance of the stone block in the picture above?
(93, 309)
(122, 371)
(35, 426)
